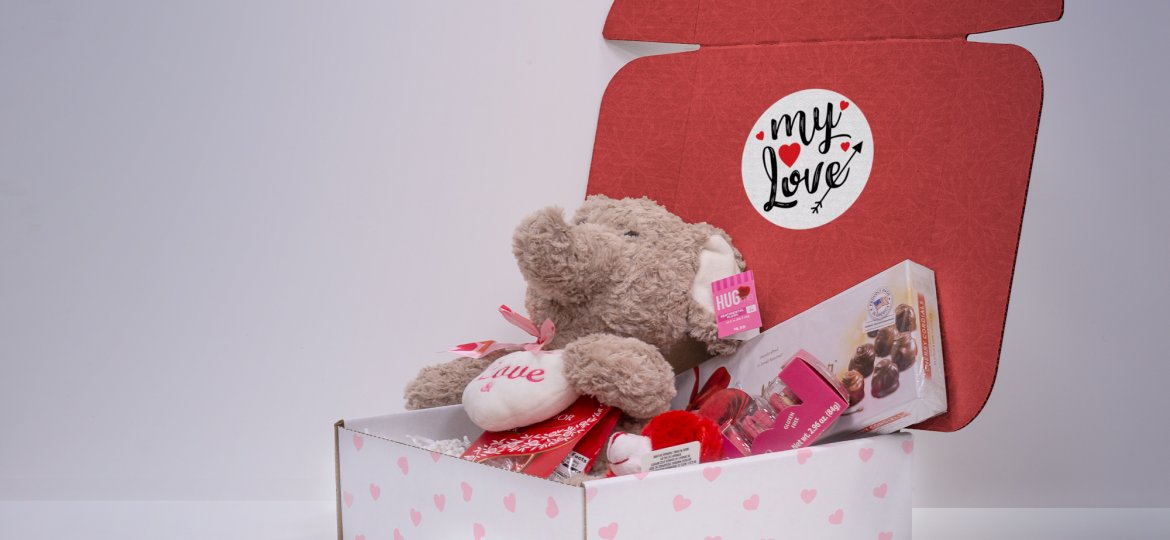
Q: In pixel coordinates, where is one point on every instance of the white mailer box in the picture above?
(388, 489)
(939, 134)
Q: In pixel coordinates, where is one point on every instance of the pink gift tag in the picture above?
(736, 309)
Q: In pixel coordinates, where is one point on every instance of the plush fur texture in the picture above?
(673, 428)
(616, 280)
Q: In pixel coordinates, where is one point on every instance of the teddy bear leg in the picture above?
(626, 373)
(443, 384)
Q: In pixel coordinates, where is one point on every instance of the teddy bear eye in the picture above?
(631, 233)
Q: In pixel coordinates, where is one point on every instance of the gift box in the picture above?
(831, 140)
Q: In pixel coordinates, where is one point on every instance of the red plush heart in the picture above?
(789, 153)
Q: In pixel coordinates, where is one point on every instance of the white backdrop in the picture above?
(225, 226)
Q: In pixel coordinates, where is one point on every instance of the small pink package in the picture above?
(736, 308)
(791, 411)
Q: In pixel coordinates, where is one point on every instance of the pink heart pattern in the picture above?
(908, 447)
(803, 455)
(358, 442)
(836, 518)
(404, 465)
(348, 497)
(360, 537)
(681, 503)
(466, 489)
(375, 491)
(880, 491)
(415, 517)
(590, 494)
(888, 535)
(711, 473)
(865, 454)
(551, 510)
(435, 456)
(807, 495)
(608, 532)
(751, 504)
(477, 531)
(510, 502)
(440, 501)
(398, 535)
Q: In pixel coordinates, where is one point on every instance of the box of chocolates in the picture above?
(879, 339)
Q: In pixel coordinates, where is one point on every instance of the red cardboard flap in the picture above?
(947, 150)
(738, 22)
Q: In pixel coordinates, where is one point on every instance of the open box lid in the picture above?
(936, 134)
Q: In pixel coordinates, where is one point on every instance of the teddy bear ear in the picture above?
(717, 259)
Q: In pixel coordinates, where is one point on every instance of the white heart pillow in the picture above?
(519, 389)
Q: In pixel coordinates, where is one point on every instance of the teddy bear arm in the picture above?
(443, 384)
(624, 372)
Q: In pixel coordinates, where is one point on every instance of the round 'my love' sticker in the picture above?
(807, 159)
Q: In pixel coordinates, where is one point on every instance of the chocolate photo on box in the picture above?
(878, 363)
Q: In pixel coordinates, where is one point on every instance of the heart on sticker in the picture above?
(681, 503)
(466, 489)
(865, 454)
(711, 473)
(837, 517)
(844, 105)
(551, 509)
(404, 465)
(477, 531)
(519, 389)
(803, 455)
(845, 146)
(744, 291)
(908, 446)
(348, 499)
(807, 495)
(398, 535)
(510, 502)
(608, 532)
(760, 136)
(415, 517)
(880, 491)
(375, 491)
(888, 535)
(358, 442)
(440, 501)
(752, 503)
(789, 153)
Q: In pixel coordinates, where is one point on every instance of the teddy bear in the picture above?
(628, 286)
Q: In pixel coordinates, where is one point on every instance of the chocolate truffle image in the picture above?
(884, 342)
(905, 351)
(854, 383)
(885, 379)
(863, 360)
(904, 318)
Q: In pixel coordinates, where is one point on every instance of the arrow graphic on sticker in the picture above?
(856, 150)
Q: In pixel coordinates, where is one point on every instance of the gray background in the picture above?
(223, 226)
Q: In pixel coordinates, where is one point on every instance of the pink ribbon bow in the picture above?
(479, 349)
